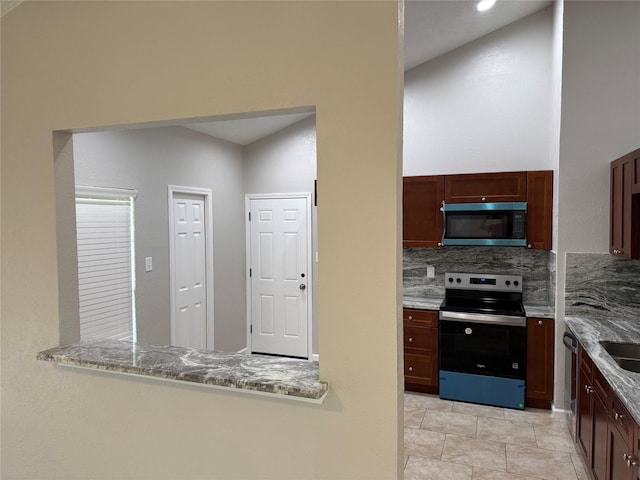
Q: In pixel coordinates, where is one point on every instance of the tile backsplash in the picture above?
(602, 286)
(537, 268)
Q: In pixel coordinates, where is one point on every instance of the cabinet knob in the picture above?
(410, 339)
(631, 462)
(529, 245)
(439, 244)
(411, 369)
(539, 322)
(588, 389)
(484, 199)
(619, 417)
(410, 317)
(617, 252)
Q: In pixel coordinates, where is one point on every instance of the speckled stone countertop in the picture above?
(422, 303)
(590, 332)
(433, 303)
(276, 376)
(539, 311)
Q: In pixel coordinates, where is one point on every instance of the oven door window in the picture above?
(483, 349)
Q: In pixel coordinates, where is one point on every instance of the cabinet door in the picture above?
(620, 467)
(600, 436)
(636, 448)
(584, 414)
(486, 187)
(540, 349)
(624, 216)
(420, 370)
(620, 215)
(539, 209)
(635, 182)
(421, 216)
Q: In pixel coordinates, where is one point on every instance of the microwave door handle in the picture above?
(444, 224)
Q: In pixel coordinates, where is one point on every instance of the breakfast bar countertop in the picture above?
(281, 377)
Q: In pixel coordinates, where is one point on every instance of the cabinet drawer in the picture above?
(585, 363)
(420, 338)
(419, 369)
(601, 386)
(426, 318)
(622, 420)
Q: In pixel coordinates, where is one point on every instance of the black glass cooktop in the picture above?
(495, 303)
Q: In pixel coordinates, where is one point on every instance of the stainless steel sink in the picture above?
(627, 355)
(628, 364)
(622, 350)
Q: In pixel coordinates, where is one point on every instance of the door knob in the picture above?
(302, 286)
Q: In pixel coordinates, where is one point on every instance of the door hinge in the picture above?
(249, 216)
(250, 328)
(250, 272)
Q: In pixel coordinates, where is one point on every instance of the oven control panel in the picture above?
(477, 281)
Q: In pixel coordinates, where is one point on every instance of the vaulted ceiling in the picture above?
(432, 28)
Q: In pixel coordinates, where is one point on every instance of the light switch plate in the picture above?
(148, 264)
(431, 271)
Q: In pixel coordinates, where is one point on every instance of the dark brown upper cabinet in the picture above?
(539, 209)
(624, 218)
(486, 187)
(423, 195)
(422, 219)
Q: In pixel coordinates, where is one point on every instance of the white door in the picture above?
(189, 327)
(279, 276)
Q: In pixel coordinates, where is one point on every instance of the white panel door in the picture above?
(279, 276)
(188, 269)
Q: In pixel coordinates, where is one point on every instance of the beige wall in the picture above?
(84, 64)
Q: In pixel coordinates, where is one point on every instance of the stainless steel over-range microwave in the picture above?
(485, 224)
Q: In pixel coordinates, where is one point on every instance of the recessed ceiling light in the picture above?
(485, 5)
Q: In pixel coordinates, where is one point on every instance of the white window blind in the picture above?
(106, 269)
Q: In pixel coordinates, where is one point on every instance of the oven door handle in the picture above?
(511, 321)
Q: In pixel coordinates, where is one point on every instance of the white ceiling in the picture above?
(432, 28)
(247, 130)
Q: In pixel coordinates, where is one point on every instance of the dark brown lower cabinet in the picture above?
(540, 348)
(420, 350)
(607, 434)
(600, 429)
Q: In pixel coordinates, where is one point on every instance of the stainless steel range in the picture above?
(483, 340)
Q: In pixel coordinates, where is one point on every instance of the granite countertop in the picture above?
(433, 303)
(590, 332)
(422, 303)
(540, 311)
(269, 375)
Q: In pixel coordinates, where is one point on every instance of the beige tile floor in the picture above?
(445, 440)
